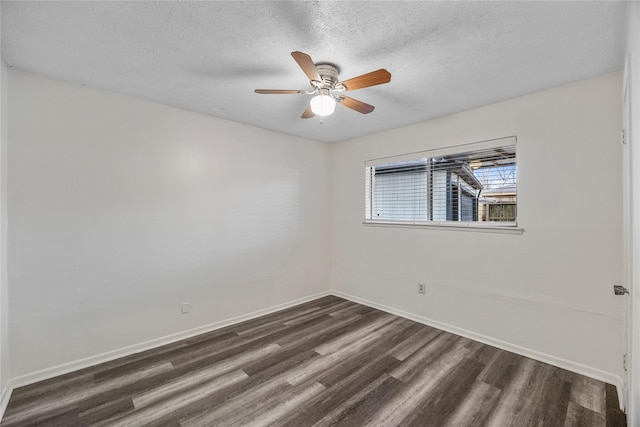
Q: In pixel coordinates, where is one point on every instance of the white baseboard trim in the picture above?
(5, 395)
(65, 368)
(578, 368)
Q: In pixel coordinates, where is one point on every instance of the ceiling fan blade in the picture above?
(373, 78)
(277, 91)
(354, 104)
(306, 63)
(307, 113)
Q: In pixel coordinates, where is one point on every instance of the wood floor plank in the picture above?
(240, 395)
(344, 348)
(615, 417)
(167, 406)
(239, 406)
(439, 405)
(370, 356)
(429, 353)
(421, 384)
(341, 391)
(408, 347)
(589, 394)
(580, 416)
(178, 378)
(284, 315)
(327, 362)
(474, 409)
(106, 410)
(319, 329)
(513, 396)
(320, 311)
(548, 398)
(501, 368)
(351, 310)
(277, 406)
(59, 385)
(52, 404)
(350, 410)
(56, 415)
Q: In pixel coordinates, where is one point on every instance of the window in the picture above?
(473, 184)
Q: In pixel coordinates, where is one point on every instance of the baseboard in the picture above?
(65, 368)
(5, 395)
(523, 351)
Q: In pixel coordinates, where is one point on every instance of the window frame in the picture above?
(511, 227)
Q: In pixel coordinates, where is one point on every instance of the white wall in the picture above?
(633, 50)
(122, 209)
(547, 291)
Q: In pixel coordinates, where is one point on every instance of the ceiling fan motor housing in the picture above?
(328, 74)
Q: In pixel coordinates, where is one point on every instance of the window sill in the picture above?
(455, 227)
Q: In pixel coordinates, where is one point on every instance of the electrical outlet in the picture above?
(421, 287)
(186, 307)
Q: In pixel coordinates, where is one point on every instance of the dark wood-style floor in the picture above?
(325, 362)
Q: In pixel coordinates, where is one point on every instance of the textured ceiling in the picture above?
(208, 57)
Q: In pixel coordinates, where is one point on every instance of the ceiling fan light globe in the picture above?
(323, 105)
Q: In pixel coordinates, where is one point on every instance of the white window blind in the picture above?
(397, 193)
(471, 184)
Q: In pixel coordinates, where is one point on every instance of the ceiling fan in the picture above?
(327, 89)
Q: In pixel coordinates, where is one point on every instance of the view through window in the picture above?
(474, 183)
